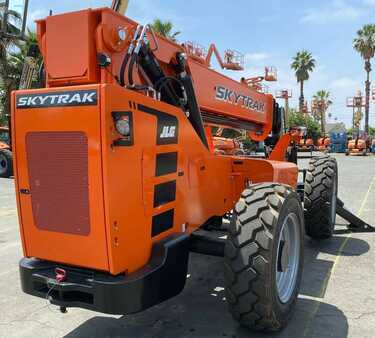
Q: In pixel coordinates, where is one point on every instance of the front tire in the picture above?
(320, 197)
(6, 163)
(259, 256)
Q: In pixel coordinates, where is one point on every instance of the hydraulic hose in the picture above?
(131, 67)
(123, 68)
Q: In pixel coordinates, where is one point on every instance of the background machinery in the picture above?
(116, 173)
(358, 145)
(228, 142)
(339, 141)
(306, 144)
(14, 29)
(324, 144)
(6, 164)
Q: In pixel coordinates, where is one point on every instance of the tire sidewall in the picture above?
(284, 310)
(320, 212)
(6, 155)
(336, 182)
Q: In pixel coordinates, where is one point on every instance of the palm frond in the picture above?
(303, 64)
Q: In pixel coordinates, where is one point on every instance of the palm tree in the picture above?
(11, 72)
(321, 103)
(165, 29)
(303, 64)
(364, 44)
(8, 40)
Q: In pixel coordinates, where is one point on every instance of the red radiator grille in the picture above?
(58, 173)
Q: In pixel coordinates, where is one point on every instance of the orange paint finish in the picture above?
(122, 181)
(71, 58)
(255, 170)
(206, 82)
(357, 145)
(123, 200)
(279, 152)
(61, 247)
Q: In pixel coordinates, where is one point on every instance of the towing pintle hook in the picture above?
(60, 276)
(63, 309)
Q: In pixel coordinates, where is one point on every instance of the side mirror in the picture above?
(13, 17)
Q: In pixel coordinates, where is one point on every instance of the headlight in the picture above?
(121, 33)
(122, 126)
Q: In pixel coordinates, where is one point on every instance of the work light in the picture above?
(122, 126)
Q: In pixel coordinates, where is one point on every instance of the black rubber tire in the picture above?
(239, 153)
(6, 159)
(321, 178)
(250, 256)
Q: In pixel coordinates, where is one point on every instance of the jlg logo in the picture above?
(168, 132)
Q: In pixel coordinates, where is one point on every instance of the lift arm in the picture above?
(120, 6)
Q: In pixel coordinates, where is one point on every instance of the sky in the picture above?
(268, 33)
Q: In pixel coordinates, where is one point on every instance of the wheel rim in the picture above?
(333, 201)
(288, 256)
(3, 164)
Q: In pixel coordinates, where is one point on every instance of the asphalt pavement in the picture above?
(337, 297)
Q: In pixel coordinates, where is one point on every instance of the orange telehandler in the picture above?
(116, 172)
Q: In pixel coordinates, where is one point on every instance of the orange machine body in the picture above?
(324, 143)
(88, 32)
(226, 146)
(306, 144)
(357, 146)
(86, 202)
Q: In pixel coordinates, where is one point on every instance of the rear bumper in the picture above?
(163, 277)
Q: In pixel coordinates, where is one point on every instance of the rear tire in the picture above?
(320, 197)
(239, 153)
(6, 163)
(254, 259)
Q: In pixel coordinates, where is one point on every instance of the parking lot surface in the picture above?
(337, 297)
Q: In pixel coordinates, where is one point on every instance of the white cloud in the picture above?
(345, 83)
(336, 10)
(256, 57)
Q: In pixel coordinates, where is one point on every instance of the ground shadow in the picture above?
(201, 311)
(317, 271)
(353, 246)
(167, 322)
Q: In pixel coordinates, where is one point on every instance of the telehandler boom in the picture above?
(116, 173)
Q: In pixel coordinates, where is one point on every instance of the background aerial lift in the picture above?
(358, 144)
(116, 173)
